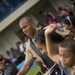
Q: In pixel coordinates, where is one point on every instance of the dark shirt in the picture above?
(10, 69)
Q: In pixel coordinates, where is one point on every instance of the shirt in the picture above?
(67, 70)
(21, 48)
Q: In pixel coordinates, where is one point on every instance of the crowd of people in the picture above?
(56, 40)
(52, 42)
(16, 55)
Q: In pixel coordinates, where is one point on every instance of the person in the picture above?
(40, 25)
(50, 17)
(20, 47)
(25, 42)
(41, 44)
(7, 67)
(61, 12)
(72, 2)
(28, 27)
(66, 52)
(68, 10)
(10, 56)
(40, 40)
(69, 24)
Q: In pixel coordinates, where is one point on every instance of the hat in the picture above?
(62, 32)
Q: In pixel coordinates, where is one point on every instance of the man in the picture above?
(7, 67)
(28, 27)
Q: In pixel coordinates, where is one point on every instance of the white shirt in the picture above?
(21, 48)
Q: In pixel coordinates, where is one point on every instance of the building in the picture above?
(10, 32)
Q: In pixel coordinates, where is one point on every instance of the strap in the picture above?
(48, 62)
(34, 47)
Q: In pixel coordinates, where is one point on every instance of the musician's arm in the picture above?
(52, 53)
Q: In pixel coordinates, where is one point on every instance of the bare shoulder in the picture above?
(55, 58)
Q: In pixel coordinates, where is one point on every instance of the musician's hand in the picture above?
(49, 29)
(39, 62)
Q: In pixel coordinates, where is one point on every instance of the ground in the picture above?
(34, 71)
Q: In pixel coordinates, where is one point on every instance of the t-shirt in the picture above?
(66, 70)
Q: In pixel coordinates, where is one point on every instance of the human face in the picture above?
(27, 27)
(66, 57)
(41, 47)
(2, 64)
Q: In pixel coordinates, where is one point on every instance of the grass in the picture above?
(34, 71)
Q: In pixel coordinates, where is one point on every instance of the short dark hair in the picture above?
(68, 44)
(55, 37)
(40, 24)
(71, 18)
(40, 36)
(1, 57)
(26, 18)
(60, 8)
